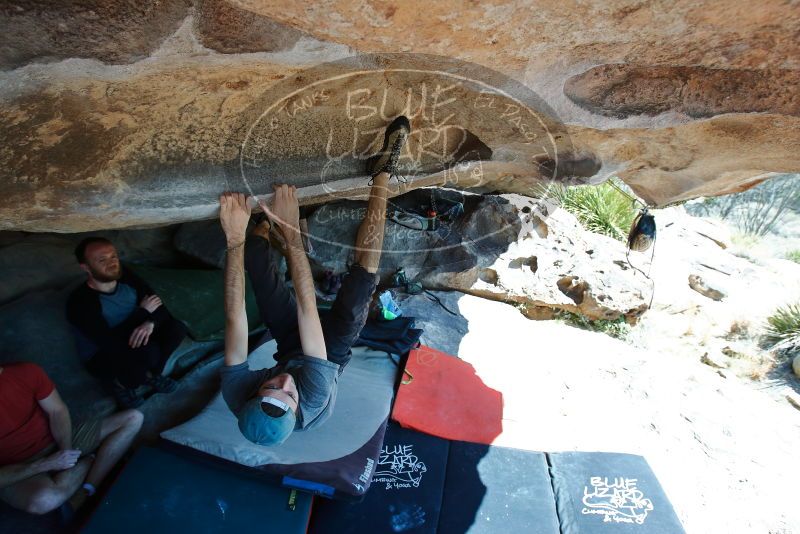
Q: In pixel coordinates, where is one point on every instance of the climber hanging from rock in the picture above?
(300, 391)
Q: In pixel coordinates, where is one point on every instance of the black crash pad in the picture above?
(159, 491)
(406, 492)
(609, 493)
(425, 484)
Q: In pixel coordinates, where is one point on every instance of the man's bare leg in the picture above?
(116, 436)
(369, 240)
(44, 493)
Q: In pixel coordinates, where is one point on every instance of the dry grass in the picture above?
(739, 329)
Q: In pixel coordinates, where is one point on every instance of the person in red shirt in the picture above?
(44, 460)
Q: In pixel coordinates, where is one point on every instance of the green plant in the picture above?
(745, 245)
(744, 240)
(616, 328)
(783, 327)
(793, 255)
(599, 208)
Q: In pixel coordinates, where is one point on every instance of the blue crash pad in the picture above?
(497, 489)
(159, 491)
(610, 493)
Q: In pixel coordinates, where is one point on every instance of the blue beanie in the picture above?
(264, 429)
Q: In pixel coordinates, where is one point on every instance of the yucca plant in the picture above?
(783, 327)
(600, 208)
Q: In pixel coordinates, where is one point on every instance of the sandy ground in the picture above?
(724, 451)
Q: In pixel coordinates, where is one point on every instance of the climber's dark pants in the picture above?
(278, 309)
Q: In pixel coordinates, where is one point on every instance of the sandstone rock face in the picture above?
(140, 113)
(623, 90)
(229, 29)
(113, 32)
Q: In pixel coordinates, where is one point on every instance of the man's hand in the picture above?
(58, 461)
(285, 212)
(151, 303)
(141, 335)
(234, 214)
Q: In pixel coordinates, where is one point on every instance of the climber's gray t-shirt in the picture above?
(316, 380)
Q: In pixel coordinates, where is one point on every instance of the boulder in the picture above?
(796, 365)
(203, 241)
(147, 121)
(32, 262)
(452, 254)
(508, 248)
(27, 266)
(34, 329)
(554, 264)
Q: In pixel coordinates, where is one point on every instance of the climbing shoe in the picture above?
(393, 141)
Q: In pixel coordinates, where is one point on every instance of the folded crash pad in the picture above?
(195, 296)
(442, 395)
(609, 492)
(497, 489)
(335, 455)
(159, 491)
(406, 493)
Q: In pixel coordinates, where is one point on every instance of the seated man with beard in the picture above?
(124, 331)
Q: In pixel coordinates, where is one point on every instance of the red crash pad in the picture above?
(441, 395)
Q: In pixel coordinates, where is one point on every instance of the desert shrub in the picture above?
(757, 210)
(783, 327)
(600, 208)
(793, 255)
(744, 245)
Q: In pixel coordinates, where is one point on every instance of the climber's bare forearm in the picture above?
(311, 337)
(235, 313)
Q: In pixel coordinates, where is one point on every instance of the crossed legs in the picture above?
(45, 492)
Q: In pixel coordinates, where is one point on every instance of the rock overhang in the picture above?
(151, 135)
